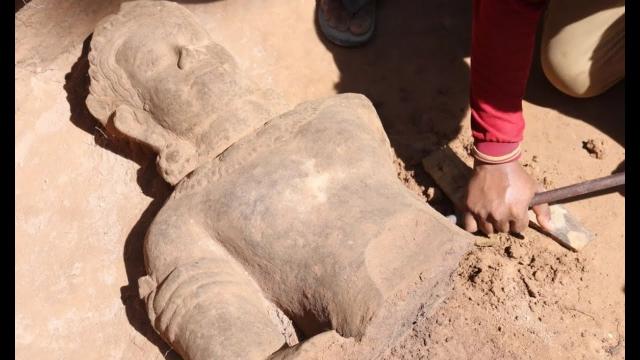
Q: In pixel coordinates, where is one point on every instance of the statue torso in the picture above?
(310, 204)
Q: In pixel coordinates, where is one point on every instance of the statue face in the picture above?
(182, 75)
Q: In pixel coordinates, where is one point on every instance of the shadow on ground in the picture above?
(152, 185)
(413, 70)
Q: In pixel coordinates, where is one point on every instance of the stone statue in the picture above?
(295, 209)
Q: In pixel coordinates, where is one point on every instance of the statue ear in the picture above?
(140, 127)
(176, 157)
(98, 107)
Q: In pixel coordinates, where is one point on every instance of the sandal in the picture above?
(347, 38)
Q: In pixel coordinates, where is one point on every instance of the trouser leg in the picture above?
(582, 48)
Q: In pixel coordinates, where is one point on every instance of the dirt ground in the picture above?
(84, 199)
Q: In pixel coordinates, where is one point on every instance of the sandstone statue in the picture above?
(295, 209)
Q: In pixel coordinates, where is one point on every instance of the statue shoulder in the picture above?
(356, 109)
(177, 217)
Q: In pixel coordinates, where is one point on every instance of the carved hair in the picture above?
(110, 86)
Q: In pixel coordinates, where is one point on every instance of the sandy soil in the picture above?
(84, 200)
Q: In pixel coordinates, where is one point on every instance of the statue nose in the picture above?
(189, 56)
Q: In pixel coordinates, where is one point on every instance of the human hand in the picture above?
(498, 197)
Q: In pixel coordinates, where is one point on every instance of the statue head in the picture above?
(156, 73)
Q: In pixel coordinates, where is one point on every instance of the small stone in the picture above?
(538, 275)
(430, 193)
(594, 148)
(532, 291)
(468, 148)
(473, 276)
(514, 252)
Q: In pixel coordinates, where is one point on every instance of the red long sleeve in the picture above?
(503, 38)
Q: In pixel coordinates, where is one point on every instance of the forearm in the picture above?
(503, 38)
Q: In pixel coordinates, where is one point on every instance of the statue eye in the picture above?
(153, 60)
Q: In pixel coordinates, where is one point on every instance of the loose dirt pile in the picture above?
(514, 300)
(517, 298)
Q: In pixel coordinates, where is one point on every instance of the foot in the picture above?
(341, 19)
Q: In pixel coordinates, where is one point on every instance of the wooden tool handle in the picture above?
(578, 189)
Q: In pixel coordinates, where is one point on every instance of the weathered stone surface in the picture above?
(301, 209)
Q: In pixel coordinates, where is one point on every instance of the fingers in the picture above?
(470, 223)
(496, 224)
(520, 223)
(485, 226)
(488, 225)
(501, 224)
(543, 215)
